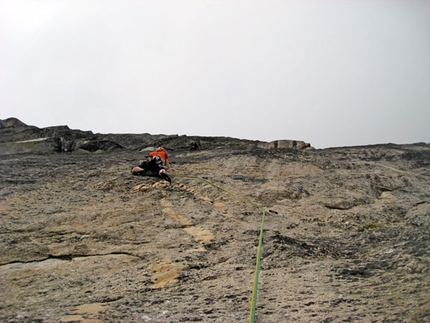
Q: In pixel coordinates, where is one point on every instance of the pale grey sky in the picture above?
(329, 72)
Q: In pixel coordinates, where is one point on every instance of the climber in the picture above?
(157, 163)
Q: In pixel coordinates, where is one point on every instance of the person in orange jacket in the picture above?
(157, 163)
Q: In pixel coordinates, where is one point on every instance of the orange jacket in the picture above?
(162, 155)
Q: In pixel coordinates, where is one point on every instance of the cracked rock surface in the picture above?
(347, 236)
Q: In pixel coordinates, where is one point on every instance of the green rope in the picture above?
(257, 272)
(260, 242)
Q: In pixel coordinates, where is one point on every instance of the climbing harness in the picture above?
(260, 241)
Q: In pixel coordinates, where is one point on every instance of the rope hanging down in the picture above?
(257, 272)
(260, 242)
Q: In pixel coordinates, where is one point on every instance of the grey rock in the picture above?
(346, 235)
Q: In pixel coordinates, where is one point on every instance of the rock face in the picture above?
(16, 137)
(346, 239)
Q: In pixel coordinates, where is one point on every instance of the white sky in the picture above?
(331, 73)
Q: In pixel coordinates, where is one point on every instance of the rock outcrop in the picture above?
(17, 137)
(346, 239)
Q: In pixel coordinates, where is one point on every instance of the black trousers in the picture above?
(153, 166)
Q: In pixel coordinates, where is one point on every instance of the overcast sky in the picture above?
(331, 73)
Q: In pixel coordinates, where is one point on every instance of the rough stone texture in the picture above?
(40, 145)
(282, 144)
(346, 238)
